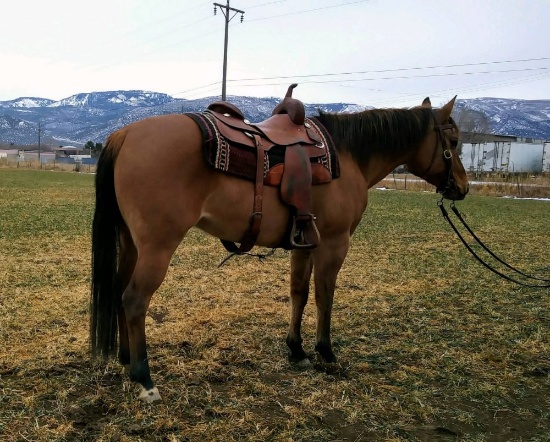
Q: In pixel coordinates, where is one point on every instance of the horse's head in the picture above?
(437, 160)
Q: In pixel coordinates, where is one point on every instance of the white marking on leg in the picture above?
(303, 363)
(151, 395)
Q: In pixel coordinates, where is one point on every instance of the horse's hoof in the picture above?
(151, 395)
(325, 352)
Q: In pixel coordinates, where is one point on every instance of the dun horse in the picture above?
(153, 184)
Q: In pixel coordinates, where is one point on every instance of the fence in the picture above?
(64, 164)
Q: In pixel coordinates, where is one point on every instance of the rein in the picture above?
(261, 256)
(476, 256)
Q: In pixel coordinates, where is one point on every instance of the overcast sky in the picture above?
(383, 53)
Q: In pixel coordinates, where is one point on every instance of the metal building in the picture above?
(506, 156)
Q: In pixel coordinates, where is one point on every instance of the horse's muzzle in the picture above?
(453, 192)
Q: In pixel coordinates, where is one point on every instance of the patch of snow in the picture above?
(520, 198)
(351, 108)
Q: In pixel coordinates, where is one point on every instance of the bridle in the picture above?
(532, 281)
(447, 155)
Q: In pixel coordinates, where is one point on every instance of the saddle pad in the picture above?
(240, 160)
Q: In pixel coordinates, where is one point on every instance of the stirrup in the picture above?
(304, 233)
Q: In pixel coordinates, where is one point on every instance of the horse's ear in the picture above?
(427, 103)
(447, 109)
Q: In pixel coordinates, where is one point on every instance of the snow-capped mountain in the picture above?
(114, 99)
(93, 116)
(521, 118)
(26, 102)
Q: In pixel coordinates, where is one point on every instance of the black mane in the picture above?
(377, 131)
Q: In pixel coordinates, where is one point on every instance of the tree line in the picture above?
(94, 148)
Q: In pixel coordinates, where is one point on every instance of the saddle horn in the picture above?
(290, 89)
(292, 107)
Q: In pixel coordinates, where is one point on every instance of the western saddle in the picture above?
(287, 128)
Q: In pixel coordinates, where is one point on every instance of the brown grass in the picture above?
(430, 346)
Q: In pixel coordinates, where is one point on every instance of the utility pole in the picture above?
(226, 11)
(39, 130)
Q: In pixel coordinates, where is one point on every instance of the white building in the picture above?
(506, 156)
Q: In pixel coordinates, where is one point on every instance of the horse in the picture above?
(153, 184)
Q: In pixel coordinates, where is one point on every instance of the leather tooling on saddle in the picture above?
(286, 150)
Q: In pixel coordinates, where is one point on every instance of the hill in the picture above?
(93, 116)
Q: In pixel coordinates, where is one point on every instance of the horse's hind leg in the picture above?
(127, 264)
(300, 274)
(149, 272)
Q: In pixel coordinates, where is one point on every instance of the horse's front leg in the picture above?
(301, 265)
(327, 259)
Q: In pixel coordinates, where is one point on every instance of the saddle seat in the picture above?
(277, 130)
(288, 129)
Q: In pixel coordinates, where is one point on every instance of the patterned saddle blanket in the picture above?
(228, 150)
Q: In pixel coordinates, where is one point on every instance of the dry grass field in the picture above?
(519, 185)
(431, 346)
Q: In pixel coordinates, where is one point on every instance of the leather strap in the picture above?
(481, 261)
(296, 181)
(255, 221)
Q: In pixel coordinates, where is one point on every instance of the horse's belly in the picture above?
(226, 212)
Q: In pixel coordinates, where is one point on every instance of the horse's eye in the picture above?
(454, 142)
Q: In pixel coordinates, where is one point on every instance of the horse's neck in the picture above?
(377, 168)
(386, 155)
(378, 140)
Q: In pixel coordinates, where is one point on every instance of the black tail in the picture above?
(106, 293)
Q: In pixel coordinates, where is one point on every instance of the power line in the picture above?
(306, 10)
(134, 30)
(451, 74)
(265, 4)
(375, 71)
(463, 89)
(171, 17)
(186, 26)
(393, 70)
(156, 49)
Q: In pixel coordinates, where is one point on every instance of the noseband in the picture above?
(447, 156)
